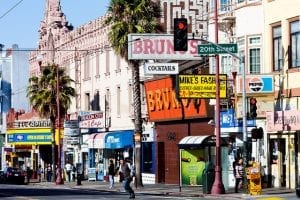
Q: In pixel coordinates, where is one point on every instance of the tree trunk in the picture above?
(53, 149)
(137, 121)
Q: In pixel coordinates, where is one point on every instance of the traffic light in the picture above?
(253, 108)
(257, 133)
(180, 34)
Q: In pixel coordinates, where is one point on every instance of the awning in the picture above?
(199, 141)
(96, 141)
(119, 139)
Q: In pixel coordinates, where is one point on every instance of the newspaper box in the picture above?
(254, 179)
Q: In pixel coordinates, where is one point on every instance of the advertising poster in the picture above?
(192, 166)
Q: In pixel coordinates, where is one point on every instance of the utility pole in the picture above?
(217, 187)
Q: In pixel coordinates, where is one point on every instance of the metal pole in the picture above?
(244, 104)
(217, 187)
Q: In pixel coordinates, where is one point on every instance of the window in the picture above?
(87, 101)
(254, 60)
(97, 63)
(118, 64)
(295, 43)
(241, 52)
(118, 101)
(107, 62)
(224, 5)
(277, 49)
(96, 102)
(86, 67)
(254, 44)
(107, 108)
(226, 64)
(107, 102)
(130, 97)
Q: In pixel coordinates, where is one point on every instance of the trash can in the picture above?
(208, 177)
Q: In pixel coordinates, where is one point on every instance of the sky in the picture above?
(20, 19)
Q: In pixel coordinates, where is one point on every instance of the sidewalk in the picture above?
(165, 189)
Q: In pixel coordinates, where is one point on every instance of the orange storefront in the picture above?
(174, 119)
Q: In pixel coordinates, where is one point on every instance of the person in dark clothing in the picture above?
(111, 173)
(125, 168)
(49, 172)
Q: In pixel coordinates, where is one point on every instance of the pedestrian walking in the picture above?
(239, 174)
(49, 172)
(39, 173)
(111, 174)
(28, 174)
(68, 168)
(125, 169)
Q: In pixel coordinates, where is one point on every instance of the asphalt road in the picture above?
(52, 192)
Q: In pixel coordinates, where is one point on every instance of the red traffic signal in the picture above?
(253, 108)
(180, 34)
(181, 25)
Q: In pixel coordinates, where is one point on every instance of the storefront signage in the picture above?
(286, 120)
(29, 137)
(118, 139)
(31, 123)
(159, 47)
(161, 68)
(228, 120)
(164, 106)
(92, 120)
(71, 124)
(201, 86)
(256, 84)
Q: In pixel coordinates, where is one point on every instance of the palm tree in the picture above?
(133, 16)
(42, 92)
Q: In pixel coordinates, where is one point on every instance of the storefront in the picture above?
(31, 141)
(283, 136)
(109, 145)
(174, 120)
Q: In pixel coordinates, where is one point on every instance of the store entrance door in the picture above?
(278, 162)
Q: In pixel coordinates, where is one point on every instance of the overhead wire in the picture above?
(9, 10)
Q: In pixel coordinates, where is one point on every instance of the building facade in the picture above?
(281, 58)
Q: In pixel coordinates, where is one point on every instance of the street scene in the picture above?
(150, 99)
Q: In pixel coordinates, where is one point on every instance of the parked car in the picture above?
(14, 175)
(2, 177)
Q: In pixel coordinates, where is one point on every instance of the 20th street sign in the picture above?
(206, 49)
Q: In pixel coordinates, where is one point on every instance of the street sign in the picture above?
(206, 49)
(161, 68)
(201, 86)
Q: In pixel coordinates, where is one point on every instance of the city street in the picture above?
(99, 190)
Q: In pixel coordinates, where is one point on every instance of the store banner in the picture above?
(285, 120)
